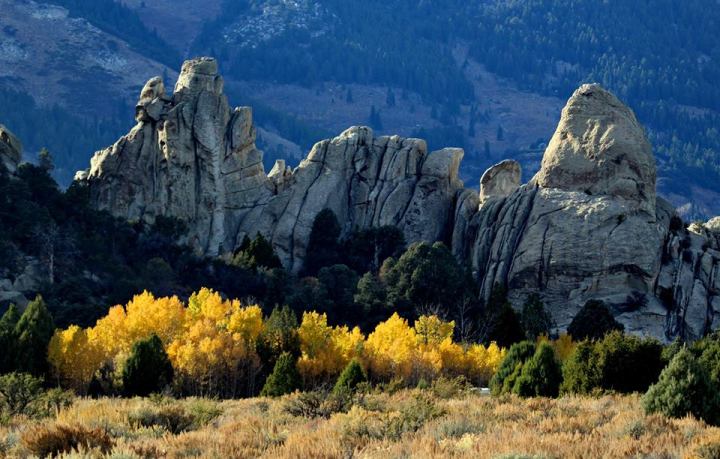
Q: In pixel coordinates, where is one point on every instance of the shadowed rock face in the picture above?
(587, 226)
(10, 149)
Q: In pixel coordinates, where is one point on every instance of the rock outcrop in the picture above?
(191, 157)
(10, 150)
(587, 226)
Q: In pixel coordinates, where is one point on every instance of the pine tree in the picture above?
(541, 375)
(284, 379)
(509, 370)
(352, 375)
(34, 331)
(535, 319)
(684, 388)
(323, 247)
(593, 321)
(8, 339)
(148, 369)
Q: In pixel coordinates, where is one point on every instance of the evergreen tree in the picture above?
(148, 369)
(352, 375)
(541, 375)
(284, 379)
(279, 336)
(593, 321)
(349, 96)
(323, 246)
(256, 253)
(684, 388)
(8, 339)
(34, 331)
(580, 372)
(509, 370)
(535, 318)
(45, 160)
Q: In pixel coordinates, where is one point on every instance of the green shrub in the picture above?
(413, 415)
(20, 394)
(619, 362)
(171, 417)
(627, 363)
(684, 388)
(447, 388)
(541, 375)
(580, 371)
(54, 440)
(284, 379)
(593, 321)
(511, 366)
(148, 369)
(352, 375)
(318, 403)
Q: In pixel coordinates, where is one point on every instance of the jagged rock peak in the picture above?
(500, 180)
(10, 149)
(191, 157)
(600, 148)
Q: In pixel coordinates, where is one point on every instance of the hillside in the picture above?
(488, 77)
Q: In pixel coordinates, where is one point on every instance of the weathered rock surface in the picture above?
(500, 180)
(10, 149)
(587, 226)
(193, 158)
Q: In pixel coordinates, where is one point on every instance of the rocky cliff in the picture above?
(190, 156)
(588, 226)
(10, 150)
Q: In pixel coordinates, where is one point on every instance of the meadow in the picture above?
(443, 420)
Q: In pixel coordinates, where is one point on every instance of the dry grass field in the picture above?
(435, 422)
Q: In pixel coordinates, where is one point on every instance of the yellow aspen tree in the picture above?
(390, 349)
(73, 358)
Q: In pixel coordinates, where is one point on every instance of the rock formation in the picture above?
(190, 156)
(587, 226)
(10, 149)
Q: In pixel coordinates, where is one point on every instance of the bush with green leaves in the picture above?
(593, 321)
(618, 363)
(284, 379)
(20, 394)
(627, 363)
(580, 370)
(148, 369)
(541, 375)
(504, 379)
(684, 388)
(351, 376)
